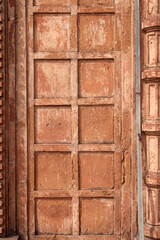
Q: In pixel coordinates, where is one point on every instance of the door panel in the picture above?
(74, 104)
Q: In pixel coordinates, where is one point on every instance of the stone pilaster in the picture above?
(151, 114)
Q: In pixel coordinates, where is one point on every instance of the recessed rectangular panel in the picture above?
(53, 124)
(97, 216)
(108, 3)
(153, 101)
(158, 153)
(53, 216)
(96, 32)
(53, 171)
(96, 124)
(95, 78)
(152, 153)
(52, 2)
(52, 78)
(152, 202)
(158, 100)
(159, 206)
(158, 48)
(152, 7)
(96, 170)
(52, 32)
(152, 46)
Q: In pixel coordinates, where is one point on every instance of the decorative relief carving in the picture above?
(153, 103)
(151, 6)
(152, 98)
(152, 206)
(153, 161)
(152, 46)
(152, 153)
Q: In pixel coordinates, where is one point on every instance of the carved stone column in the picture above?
(151, 114)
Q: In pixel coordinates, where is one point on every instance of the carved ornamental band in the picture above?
(151, 114)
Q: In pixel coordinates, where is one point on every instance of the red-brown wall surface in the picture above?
(69, 99)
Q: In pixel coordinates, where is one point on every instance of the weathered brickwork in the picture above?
(150, 56)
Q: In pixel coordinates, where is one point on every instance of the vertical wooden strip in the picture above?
(3, 124)
(74, 94)
(2, 174)
(21, 123)
(117, 137)
(126, 72)
(31, 113)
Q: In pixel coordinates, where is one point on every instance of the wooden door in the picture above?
(79, 179)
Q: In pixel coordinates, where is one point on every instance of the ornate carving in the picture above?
(151, 115)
